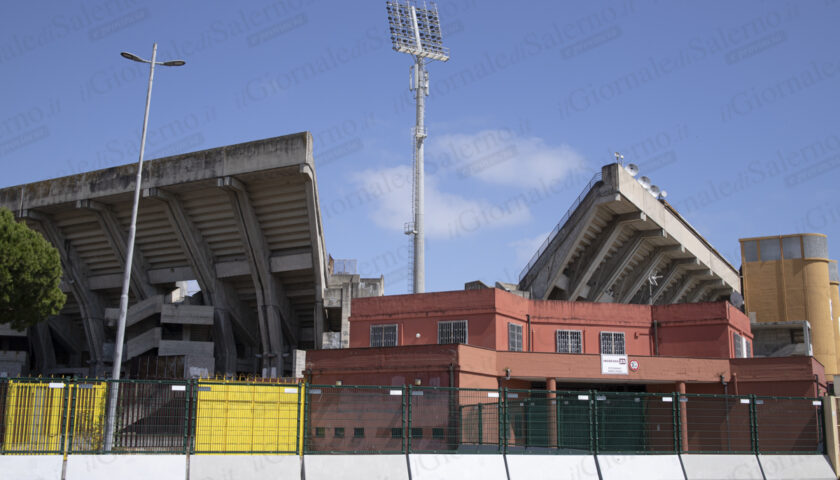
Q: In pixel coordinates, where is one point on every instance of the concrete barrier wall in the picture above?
(252, 467)
(355, 467)
(794, 467)
(551, 467)
(641, 467)
(713, 467)
(126, 467)
(448, 467)
(30, 467)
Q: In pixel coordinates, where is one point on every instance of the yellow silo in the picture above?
(786, 278)
(834, 287)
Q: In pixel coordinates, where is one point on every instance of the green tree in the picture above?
(30, 272)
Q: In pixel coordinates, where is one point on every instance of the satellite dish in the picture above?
(663, 194)
(736, 299)
(632, 169)
(654, 190)
(645, 182)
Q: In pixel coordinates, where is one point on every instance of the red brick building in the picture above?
(490, 338)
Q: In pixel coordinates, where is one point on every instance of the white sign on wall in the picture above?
(614, 365)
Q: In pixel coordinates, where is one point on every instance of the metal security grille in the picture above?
(739, 346)
(383, 335)
(569, 341)
(452, 332)
(612, 343)
(514, 337)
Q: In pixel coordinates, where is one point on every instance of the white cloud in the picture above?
(525, 248)
(447, 215)
(505, 157)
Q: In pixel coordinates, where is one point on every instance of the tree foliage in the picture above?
(30, 273)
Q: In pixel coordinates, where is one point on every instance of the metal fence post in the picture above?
(403, 422)
(754, 424)
(306, 421)
(480, 428)
(593, 411)
(408, 417)
(65, 418)
(189, 405)
(678, 426)
(507, 419)
(500, 417)
(299, 423)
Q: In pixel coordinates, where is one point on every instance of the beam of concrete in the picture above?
(688, 282)
(171, 275)
(714, 293)
(228, 310)
(41, 340)
(594, 254)
(703, 288)
(60, 327)
(316, 237)
(669, 276)
(116, 237)
(105, 282)
(550, 265)
(274, 309)
(616, 265)
(90, 306)
(648, 268)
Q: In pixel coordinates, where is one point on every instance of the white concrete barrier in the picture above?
(126, 467)
(352, 467)
(252, 467)
(642, 467)
(31, 467)
(795, 467)
(713, 467)
(449, 467)
(539, 467)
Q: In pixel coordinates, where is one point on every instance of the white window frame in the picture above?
(613, 343)
(453, 322)
(383, 326)
(740, 343)
(518, 328)
(570, 332)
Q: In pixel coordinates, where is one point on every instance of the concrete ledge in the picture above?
(255, 467)
(361, 467)
(642, 467)
(713, 467)
(538, 467)
(126, 467)
(448, 467)
(793, 467)
(31, 467)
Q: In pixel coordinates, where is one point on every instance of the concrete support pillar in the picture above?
(683, 415)
(832, 442)
(551, 399)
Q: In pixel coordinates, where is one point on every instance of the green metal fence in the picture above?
(54, 416)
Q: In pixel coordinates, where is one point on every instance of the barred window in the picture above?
(514, 337)
(569, 341)
(739, 345)
(452, 332)
(612, 343)
(383, 335)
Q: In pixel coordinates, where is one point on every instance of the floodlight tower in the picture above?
(416, 31)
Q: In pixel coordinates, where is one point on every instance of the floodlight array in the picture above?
(410, 25)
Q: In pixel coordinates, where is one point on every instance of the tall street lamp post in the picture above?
(118, 345)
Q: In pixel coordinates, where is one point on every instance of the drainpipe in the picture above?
(530, 339)
(655, 338)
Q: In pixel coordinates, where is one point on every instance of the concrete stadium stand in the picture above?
(31, 467)
(254, 467)
(448, 467)
(538, 467)
(642, 467)
(794, 467)
(352, 467)
(126, 467)
(713, 467)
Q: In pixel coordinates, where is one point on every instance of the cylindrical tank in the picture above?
(818, 300)
(834, 287)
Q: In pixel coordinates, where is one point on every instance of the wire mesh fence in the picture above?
(236, 417)
(51, 416)
(788, 425)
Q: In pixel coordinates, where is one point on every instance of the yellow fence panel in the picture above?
(87, 421)
(33, 417)
(248, 417)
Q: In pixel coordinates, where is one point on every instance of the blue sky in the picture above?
(729, 106)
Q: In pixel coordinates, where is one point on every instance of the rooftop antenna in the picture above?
(632, 169)
(645, 182)
(652, 281)
(655, 191)
(416, 31)
(619, 158)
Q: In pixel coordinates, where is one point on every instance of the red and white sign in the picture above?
(634, 366)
